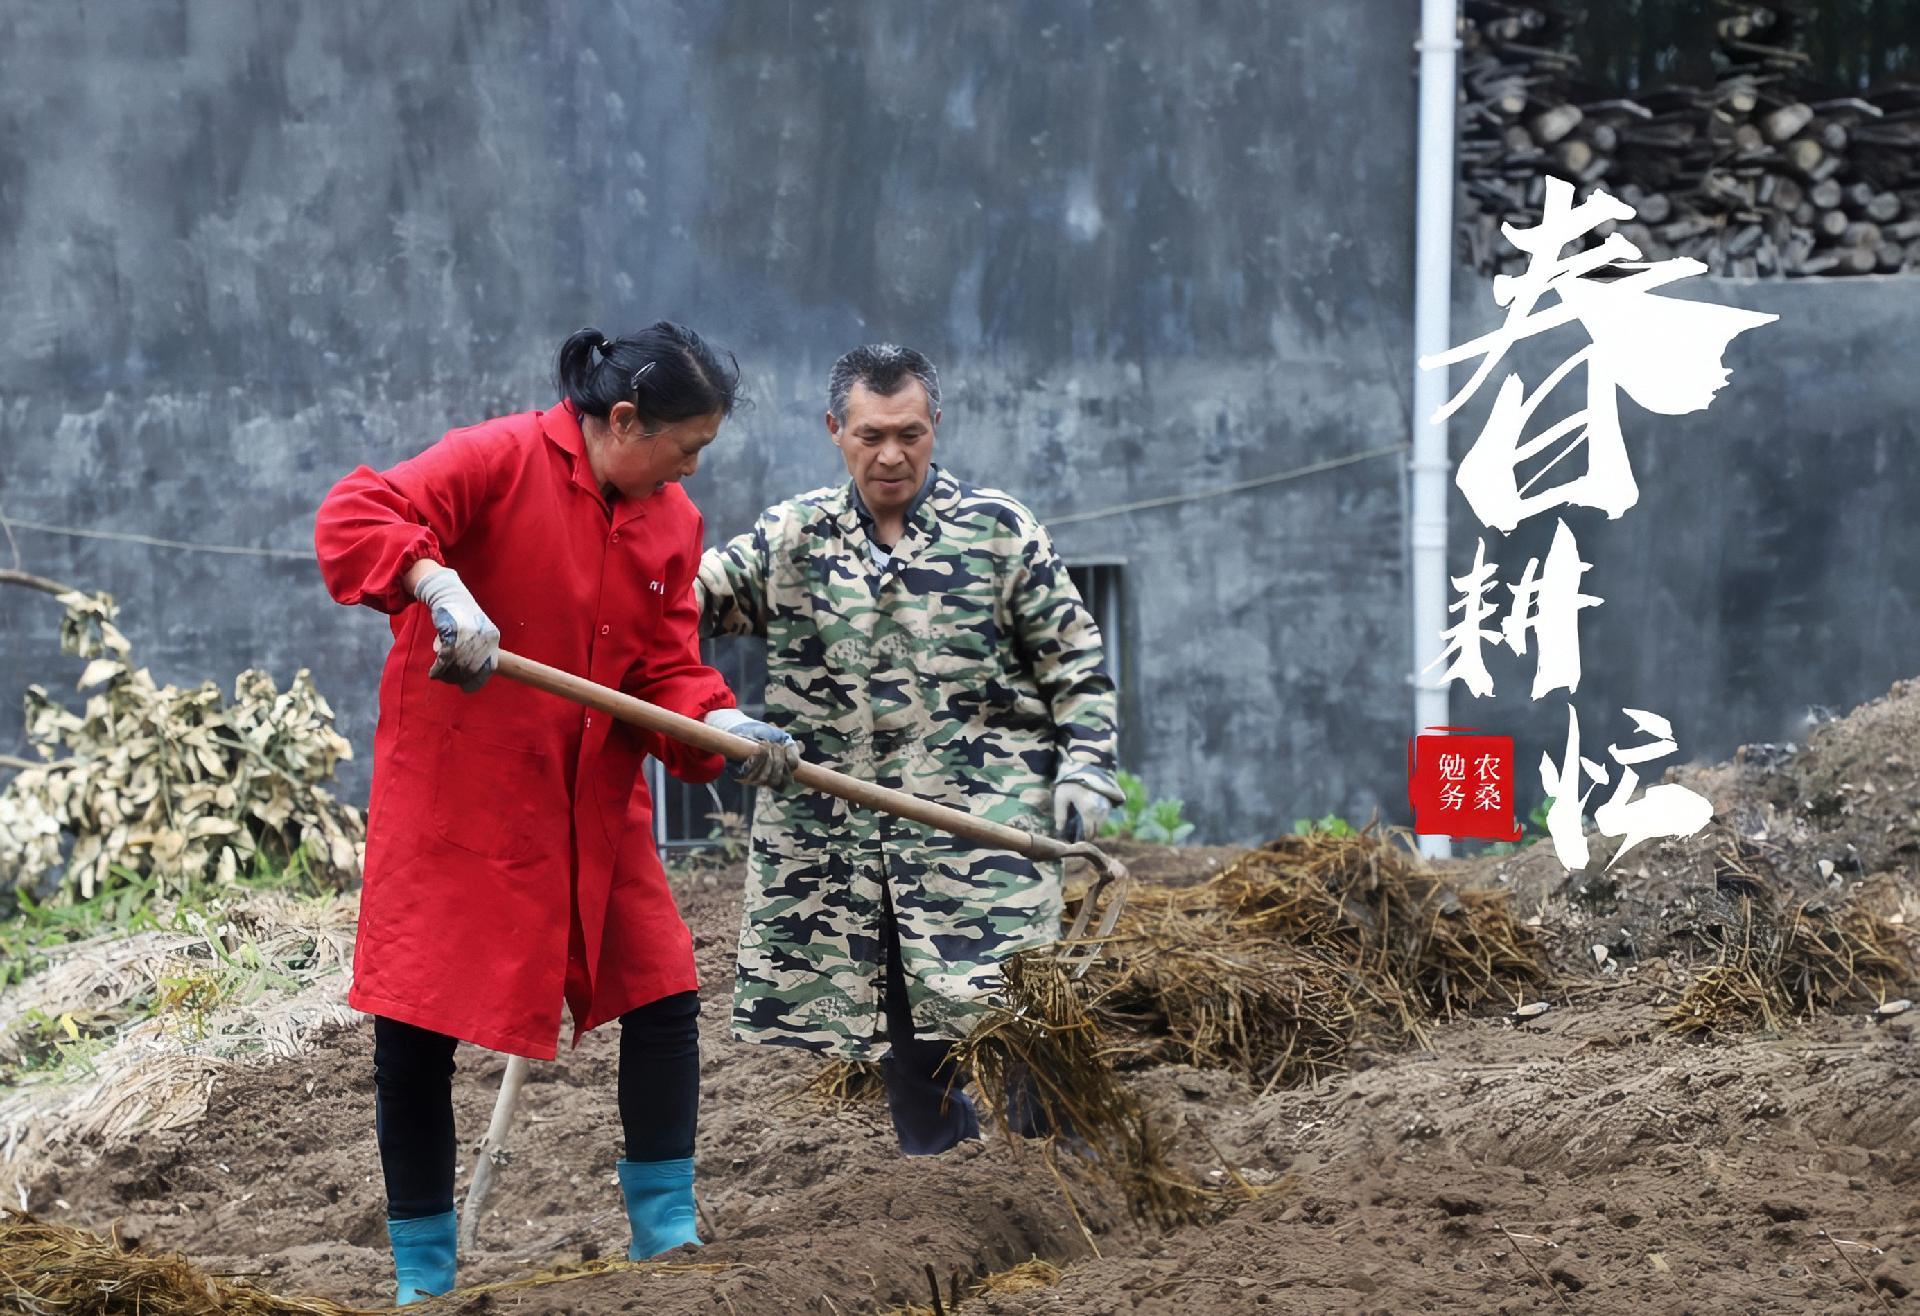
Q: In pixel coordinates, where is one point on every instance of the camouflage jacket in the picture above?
(967, 671)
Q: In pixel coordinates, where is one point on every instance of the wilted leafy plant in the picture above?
(180, 786)
(189, 995)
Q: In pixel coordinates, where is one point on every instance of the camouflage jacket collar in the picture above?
(939, 494)
(863, 519)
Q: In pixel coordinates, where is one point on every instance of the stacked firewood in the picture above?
(1757, 175)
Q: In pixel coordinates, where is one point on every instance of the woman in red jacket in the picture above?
(510, 860)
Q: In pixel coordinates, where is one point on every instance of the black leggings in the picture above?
(659, 1095)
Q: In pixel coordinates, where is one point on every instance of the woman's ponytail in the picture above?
(577, 365)
(667, 371)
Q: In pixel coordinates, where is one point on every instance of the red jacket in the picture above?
(510, 858)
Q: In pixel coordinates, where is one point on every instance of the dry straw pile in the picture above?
(1778, 963)
(122, 1033)
(50, 1269)
(1272, 969)
(1051, 1047)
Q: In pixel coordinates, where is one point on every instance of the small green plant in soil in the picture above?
(34, 927)
(55, 1044)
(1141, 817)
(1535, 830)
(1328, 825)
(727, 833)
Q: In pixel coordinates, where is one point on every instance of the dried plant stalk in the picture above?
(846, 1083)
(52, 1268)
(1048, 1044)
(1777, 966)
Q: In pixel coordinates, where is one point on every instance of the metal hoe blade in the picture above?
(1108, 894)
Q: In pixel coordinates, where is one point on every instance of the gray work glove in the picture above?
(773, 766)
(467, 644)
(1082, 799)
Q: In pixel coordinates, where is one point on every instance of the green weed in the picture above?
(1329, 825)
(1143, 818)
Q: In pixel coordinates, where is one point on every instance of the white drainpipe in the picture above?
(1432, 303)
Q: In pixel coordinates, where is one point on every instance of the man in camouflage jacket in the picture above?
(922, 634)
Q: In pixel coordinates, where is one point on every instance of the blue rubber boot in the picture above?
(659, 1205)
(423, 1254)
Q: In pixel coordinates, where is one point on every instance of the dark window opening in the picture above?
(1099, 586)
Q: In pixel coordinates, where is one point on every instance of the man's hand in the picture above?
(773, 766)
(466, 642)
(1081, 803)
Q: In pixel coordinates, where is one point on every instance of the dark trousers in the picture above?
(659, 1097)
(930, 1111)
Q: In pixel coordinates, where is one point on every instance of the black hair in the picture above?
(885, 369)
(667, 371)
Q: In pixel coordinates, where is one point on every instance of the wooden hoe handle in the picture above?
(640, 713)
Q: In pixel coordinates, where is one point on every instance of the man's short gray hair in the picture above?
(884, 368)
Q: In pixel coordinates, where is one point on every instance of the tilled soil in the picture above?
(1582, 1160)
(810, 1207)
(1585, 1152)
(1585, 1149)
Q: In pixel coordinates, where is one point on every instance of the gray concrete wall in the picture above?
(1770, 565)
(1156, 247)
(248, 247)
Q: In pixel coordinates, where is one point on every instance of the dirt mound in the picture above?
(1834, 819)
(1587, 1150)
(1588, 1146)
(1857, 785)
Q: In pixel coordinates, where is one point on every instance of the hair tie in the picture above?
(606, 347)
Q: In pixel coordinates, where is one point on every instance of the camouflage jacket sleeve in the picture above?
(731, 588)
(1061, 645)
